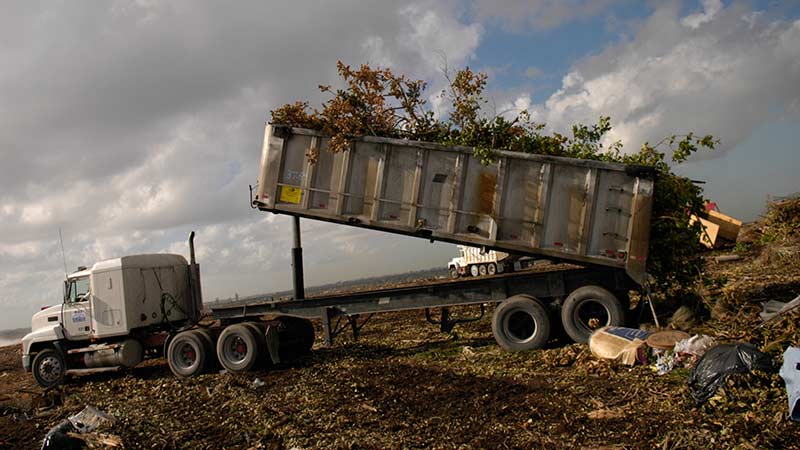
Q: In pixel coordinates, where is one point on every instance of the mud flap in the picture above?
(273, 344)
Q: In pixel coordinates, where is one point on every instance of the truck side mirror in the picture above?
(66, 290)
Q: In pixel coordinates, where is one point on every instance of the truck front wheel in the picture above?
(521, 323)
(49, 368)
(453, 272)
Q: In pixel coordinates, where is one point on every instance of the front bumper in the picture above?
(26, 362)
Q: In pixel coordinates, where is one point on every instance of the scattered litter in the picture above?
(67, 434)
(773, 308)
(727, 258)
(670, 354)
(790, 372)
(719, 362)
(369, 407)
(257, 383)
(605, 413)
(625, 345)
(696, 346)
(665, 340)
(666, 360)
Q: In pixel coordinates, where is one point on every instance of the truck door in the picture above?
(77, 313)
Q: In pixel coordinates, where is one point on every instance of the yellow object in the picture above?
(290, 194)
(728, 226)
(708, 236)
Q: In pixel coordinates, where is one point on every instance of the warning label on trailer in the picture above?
(290, 194)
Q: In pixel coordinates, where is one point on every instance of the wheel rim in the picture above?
(590, 315)
(473, 271)
(492, 269)
(185, 356)
(482, 270)
(519, 326)
(235, 349)
(50, 369)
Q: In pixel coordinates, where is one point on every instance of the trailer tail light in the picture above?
(558, 244)
(621, 254)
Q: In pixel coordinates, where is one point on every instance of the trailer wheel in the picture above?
(453, 272)
(473, 270)
(49, 368)
(238, 347)
(589, 308)
(521, 323)
(187, 354)
(482, 269)
(491, 269)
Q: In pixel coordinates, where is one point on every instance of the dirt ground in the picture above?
(404, 384)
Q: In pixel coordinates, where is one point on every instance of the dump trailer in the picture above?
(582, 211)
(591, 217)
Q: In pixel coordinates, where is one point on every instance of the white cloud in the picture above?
(725, 78)
(710, 9)
(432, 35)
(130, 124)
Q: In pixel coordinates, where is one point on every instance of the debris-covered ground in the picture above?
(406, 385)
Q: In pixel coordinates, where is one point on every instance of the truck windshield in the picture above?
(78, 289)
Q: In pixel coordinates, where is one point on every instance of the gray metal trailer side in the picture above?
(590, 213)
(545, 293)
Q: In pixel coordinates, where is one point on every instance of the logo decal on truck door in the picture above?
(79, 316)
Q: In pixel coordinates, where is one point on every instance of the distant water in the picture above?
(12, 337)
(4, 342)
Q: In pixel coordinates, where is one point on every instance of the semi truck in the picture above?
(593, 215)
(476, 262)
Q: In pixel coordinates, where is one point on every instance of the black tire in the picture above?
(482, 270)
(239, 347)
(49, 368)
(208, 340)
(296, 337)
(473, 270)
(589, 308)
(491, 268)
(521, 323)
(261, 341)
(453, 272)
(188, 354)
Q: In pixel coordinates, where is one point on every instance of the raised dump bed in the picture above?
(576, 210)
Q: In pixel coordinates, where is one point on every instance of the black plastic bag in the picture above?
(721, 361)
(57, 438)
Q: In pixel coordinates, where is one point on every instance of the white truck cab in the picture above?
(111, 314)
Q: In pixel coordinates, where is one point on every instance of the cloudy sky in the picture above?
(128, 124)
